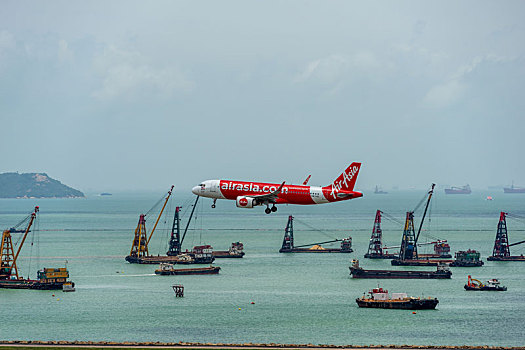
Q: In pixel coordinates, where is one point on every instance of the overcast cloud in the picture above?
(133, 95)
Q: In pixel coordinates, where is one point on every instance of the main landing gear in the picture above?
(214, 201)
(269, 210)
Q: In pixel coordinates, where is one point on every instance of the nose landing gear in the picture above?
(214, 201)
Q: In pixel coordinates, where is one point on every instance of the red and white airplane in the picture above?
(250, 194)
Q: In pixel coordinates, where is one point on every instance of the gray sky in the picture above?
(126, 95)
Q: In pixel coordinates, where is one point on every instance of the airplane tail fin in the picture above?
(346, 181)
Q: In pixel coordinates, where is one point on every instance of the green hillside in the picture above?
(36, 185)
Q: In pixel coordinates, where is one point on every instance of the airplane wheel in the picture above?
(274, 209)
(267, 210)
(213, 206)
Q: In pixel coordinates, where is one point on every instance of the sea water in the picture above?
(265, 296)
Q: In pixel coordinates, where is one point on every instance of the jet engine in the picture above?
(245, 202)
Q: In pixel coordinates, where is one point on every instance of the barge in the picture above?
(468, 258)
(501, 250)
(289, 247)
(47, 278)
(168, 269)
(379, 298)
(235, 251)
(442, 272)
(490, 285)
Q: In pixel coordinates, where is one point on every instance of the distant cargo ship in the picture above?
(458, 190)
(378, 190)
(358, 272)
(513, 189)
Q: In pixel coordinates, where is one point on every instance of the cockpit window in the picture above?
(202, 185)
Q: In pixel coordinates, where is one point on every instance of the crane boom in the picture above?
(160, 214)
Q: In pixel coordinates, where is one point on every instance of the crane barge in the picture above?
(47, 278)
(139, 253)
(501, 250)
(289, 247)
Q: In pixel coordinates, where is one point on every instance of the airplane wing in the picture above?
(269, 197)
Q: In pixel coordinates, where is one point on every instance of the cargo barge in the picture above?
(442, 272)
(235, 251)
(379, 298)
(199, 255)
(168, 269)
(289, 247)
(419, 262)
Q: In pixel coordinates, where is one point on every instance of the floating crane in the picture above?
(289, 247)
(47, 278)
(501, 250)
(408, 254)
(375, 247)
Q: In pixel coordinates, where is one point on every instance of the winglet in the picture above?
(307, 179)
(280, 188)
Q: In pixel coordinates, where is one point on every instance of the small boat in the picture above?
(168, 269)
(493, 285)
(379, 298)
(68, 287)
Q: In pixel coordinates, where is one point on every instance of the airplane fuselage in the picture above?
(291, 194)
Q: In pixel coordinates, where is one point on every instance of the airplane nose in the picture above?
(196, 190)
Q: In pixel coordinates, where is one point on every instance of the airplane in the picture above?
(249, 194)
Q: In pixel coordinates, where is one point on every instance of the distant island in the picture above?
(34, 185)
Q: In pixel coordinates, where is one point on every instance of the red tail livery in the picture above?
(250, 194)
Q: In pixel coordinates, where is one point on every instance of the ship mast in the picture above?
(7, 256)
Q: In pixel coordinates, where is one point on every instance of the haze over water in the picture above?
(299, 298)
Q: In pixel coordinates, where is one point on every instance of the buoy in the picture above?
(240, 309)
(414, 312)
(53, 295)
(253, 302)
(58, 299)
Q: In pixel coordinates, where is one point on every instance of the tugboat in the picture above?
(379, 298)
(168, 269)
(493, 285)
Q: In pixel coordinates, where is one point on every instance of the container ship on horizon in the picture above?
(458, 190)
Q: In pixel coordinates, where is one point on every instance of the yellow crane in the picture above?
(8, 268)
(139, 247)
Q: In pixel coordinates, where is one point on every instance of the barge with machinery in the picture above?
(501, 250)
(380, 298)
(289, 247)
(442, 272)
(467, 258)
(491, 285)
(235, 251)
(139, 253)
(47, 278)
